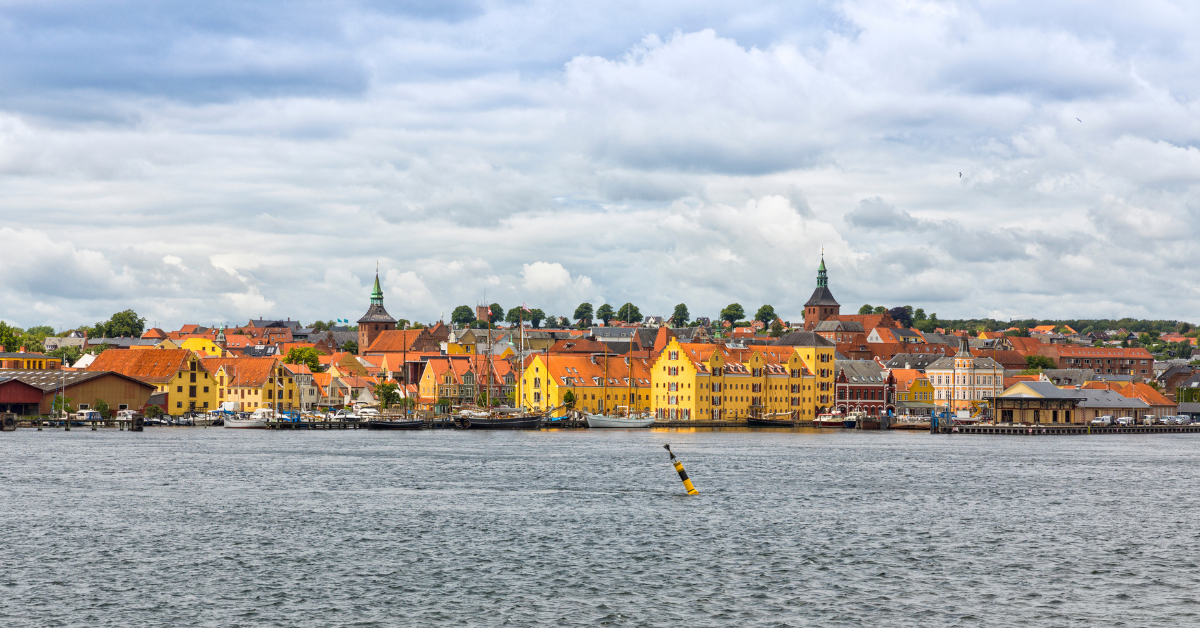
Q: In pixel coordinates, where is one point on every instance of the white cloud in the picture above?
(694, 152)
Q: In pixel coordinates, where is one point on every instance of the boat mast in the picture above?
(629, 363)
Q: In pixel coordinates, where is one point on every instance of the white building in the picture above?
(964, 378)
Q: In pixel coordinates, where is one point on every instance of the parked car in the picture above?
(1102, 420)
(1125, 421)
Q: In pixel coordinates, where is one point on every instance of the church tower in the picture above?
(375, 320)
(821, 305)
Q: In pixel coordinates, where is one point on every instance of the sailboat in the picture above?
(493, 418)
(632, 418)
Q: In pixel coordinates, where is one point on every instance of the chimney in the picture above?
(22, 349)
(1, 348)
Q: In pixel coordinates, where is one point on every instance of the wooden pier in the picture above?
(1074, 430)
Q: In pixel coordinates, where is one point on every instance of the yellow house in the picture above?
(165, 343)
(912, 385)
(597, 383)
(254, 383)
(202, 346)
(474, 341)
(181, 374)
(714, 382)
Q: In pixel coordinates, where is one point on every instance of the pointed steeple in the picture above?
(822, 279)
(377, 292)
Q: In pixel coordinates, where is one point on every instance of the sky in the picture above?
(216, 162)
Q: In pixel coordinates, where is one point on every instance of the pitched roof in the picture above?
(802, 339)
(1146, 393)
(400, 340)
(905, 378)
(49, 380)
(252, 372)
(154, 366)
(839, 325)
(821, 297)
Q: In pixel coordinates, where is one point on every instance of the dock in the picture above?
(1063, 429)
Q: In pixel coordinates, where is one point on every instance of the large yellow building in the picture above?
(709, 381)
(596, 382)
(181, 374)
(254, 383)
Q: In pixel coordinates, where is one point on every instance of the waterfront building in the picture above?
(82, 390)
(462, 379)
(254, 383)
(376, 319)
(177, 373)
(716, 382)
(964, 381)
(914, 393)
(548, 377)
(815, 354)
(865, 386)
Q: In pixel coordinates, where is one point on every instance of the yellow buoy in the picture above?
(687, 483)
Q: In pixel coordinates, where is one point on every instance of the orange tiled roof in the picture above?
(906, 377)
(252, 372)
(155, 333)
(152, 367)
(1146, 393)
(395, 340)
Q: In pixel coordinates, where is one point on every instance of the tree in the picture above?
(10, 337)
(61, 404)
(497, 313)
(605, 313)
(901, 315)
(307, 356)
(765, 315)
(1038, 362)
(569, 399)
(350, 347)
(629, 313)
(679, 318)
(388, 394)
(125, 323)
(919, 315)
(462, 316)
(320, 326)
(733, 313)
(879, 309)
(514, 315)
(583, 313)
(866, 309)
(101, 406)
(69, 355)
(535, 317)
(403, 323)
(776, 328)
(153, 411)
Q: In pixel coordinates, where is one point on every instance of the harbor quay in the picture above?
(491, 369)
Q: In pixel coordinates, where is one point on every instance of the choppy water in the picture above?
(232, 528)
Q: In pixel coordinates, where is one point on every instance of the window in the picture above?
(84, 406)
(123, 406)
(179, 389)
(178, 404)
(206, 389)
(191, 391)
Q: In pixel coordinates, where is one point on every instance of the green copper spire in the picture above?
(377, 293)
(822, 280)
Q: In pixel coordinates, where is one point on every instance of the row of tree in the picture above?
(586, 313)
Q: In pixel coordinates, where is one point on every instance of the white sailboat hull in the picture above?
(247, 424)
(599, 420)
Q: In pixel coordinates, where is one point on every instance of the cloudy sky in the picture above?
(213, 162)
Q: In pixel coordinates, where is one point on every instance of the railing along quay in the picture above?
(1075, 430)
